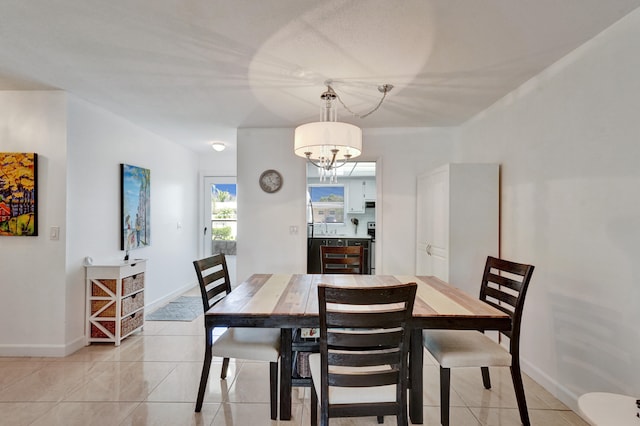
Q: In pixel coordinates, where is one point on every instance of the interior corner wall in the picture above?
(32, 269)
(568, 142)
(99, 142)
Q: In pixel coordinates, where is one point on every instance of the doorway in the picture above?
(344, 212)
(220, 219)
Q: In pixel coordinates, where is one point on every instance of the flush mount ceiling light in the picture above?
(218, 146)
(329, 143)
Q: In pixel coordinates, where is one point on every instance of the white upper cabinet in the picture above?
(360, 191)
(370, 190)
(355, 200)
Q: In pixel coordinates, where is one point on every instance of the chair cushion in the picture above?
(464, 348)
(343, 395)
(257, 344)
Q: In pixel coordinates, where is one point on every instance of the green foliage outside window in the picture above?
(225, 213)
(222, 233)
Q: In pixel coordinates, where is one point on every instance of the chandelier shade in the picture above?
(319, 140)
(329, 144)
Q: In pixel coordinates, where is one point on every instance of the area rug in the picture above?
(183, 308)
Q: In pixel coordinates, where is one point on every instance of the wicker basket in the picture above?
(132, 303)
(99, 334)
(109, 312)
(99, 292)
(132, 283)
(131, 323)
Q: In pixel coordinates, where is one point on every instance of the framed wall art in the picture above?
(135, 202)
(19, 194)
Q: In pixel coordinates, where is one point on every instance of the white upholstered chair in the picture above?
(257, 344)
(504, 286)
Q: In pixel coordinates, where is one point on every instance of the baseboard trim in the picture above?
(45, 351)
(565, 396)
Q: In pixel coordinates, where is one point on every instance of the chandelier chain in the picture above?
(384, 89)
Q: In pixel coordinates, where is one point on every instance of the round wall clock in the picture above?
(270, 181)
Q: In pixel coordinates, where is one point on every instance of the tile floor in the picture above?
(152, 379)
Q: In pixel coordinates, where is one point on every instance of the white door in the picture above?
(220, 225)
(432, 228)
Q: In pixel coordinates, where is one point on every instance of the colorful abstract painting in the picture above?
(135, 202)
(18, 194)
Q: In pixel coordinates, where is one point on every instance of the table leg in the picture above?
(415, 372)
(285, 373)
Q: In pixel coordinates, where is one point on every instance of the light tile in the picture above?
(170, 414)
(181, 385)
(254, 414)
(23, 413)
(123, 381)
(251, 383)
(511, 416)
(86, 413)
(52, 382)
(11, 370)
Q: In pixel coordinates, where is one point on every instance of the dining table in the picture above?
(290, 302)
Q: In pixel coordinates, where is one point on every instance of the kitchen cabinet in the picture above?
(360, 191)
(114, 301)
(355, 198)
(457, 222)
(370, 193)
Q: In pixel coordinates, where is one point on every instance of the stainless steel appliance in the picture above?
(371, 231)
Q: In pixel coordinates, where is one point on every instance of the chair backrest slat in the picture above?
(355, 360)
(379, 340)
(385, 378)
(501, 295)
(504, 281)
(213, 278)
(342, 259)
(364, 318)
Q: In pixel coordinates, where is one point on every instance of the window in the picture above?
(224, 212)
(327, 202)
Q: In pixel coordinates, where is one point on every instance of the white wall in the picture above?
(264, 241)
(569, 145)
(80, 148)
(32, 269)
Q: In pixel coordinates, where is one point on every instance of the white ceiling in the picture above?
(196, 70)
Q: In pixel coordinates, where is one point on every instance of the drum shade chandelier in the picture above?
(328, 144)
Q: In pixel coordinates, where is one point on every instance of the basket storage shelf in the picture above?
(115, 301)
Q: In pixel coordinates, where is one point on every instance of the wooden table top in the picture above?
(291, 300)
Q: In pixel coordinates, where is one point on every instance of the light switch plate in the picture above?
(54, 233)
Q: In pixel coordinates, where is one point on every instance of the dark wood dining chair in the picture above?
(257, 344)
(361, 369)
(342, 260)
(504, 286)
